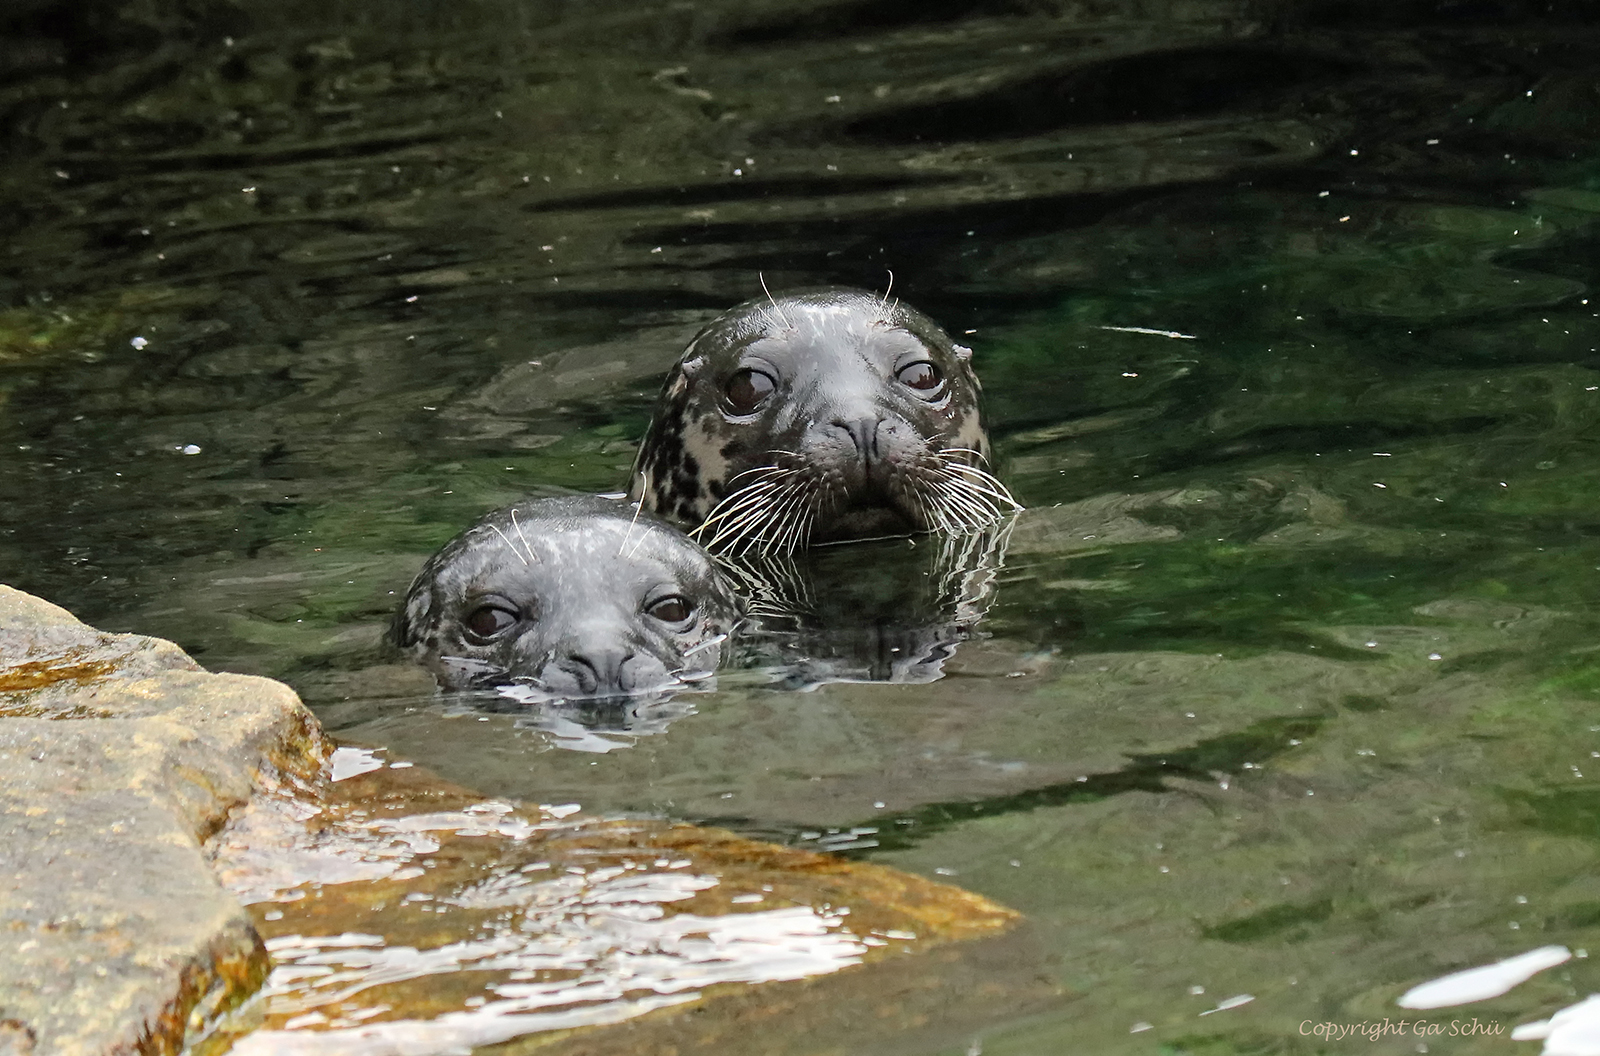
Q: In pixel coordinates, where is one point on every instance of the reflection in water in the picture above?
(590, 725)
(891, 611)
(407, 916)
(1570, 1032)
(1482, 983)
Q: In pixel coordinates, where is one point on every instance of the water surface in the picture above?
(1287, 687)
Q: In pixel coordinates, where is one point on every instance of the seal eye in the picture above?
(748, 389)
(674, 608)
(922, 376)
(488, 622)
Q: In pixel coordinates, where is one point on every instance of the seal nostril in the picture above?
(582, 672)
(863, 433)
(596, 671)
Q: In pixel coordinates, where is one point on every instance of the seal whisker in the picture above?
(507, 541)
(933, 515)
(775, 305)
(742, 496)
(775, 526)
(799, 526)
(887, 289)
(637, 509)
(911, 487)
(1001, 500)
(756, 469)
(745, 520)
(803, 535)
(968, 510)
(981, 489)
(518, 526)
(974, 452)
(788, 505)
(738, 503)
(991, 484)
(804, 516)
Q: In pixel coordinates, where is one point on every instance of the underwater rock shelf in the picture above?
(119, 757)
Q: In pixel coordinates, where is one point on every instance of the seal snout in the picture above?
(596, 667)
(862, 433)
(586, 674)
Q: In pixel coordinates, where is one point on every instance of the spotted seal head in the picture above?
(581, 597)
(819, 415)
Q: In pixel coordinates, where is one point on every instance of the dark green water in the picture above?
(1291, 681)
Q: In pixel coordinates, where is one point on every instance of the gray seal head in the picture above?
(819, 415)
(568, 598)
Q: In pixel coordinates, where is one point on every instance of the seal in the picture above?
(820, 415)
(564, 598)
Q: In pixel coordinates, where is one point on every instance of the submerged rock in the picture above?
(408, 916)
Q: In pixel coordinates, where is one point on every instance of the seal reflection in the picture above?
(882, 611)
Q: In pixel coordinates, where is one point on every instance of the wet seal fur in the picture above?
(819, 415)
(569, 598)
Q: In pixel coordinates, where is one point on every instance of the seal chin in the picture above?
(866, 521)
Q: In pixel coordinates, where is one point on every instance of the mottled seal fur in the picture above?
(577, 597)
(819, 415)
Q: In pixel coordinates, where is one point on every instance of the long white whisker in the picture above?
(991, 484)
(636, 511)
(773, 301)
(777, 513)
(518, 526)
(742, 496)
(756, 469)
(968, 510)
(952, 513)
(928, 520)
(797, 516)
(508, 543)
(1000, 495)
(979, 455)
(739, 502)
(741, 525)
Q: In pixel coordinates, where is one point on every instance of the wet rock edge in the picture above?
(119, 757)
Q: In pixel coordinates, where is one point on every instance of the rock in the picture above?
(118, 756)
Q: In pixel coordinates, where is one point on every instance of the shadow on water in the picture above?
(1285, 314)
(1207, 761)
